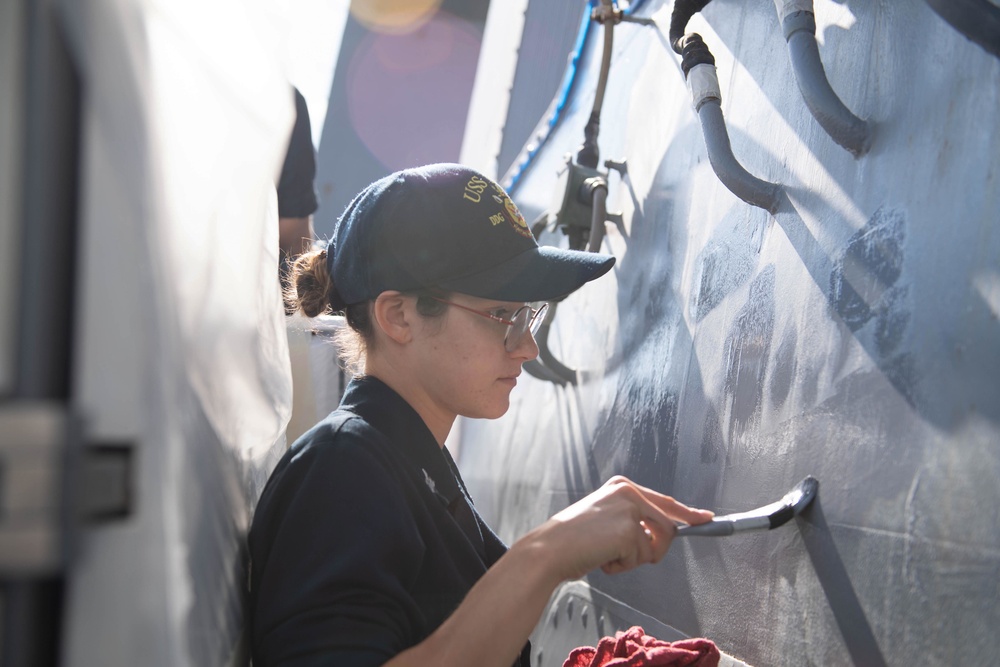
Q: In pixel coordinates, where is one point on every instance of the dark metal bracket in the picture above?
(52, 485)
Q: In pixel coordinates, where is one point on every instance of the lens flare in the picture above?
(393, 16)
(408, 93)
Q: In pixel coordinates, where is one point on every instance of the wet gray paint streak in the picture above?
(747, 350)
(852, 336)
(869, 266)
(783, 373)
(726, 263)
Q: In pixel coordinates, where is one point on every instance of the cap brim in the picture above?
(543, 273)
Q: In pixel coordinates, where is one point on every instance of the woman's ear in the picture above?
(393, 315)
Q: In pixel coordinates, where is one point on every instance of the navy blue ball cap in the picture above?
(448, 227)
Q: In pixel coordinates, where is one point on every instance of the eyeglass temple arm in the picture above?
(481, 313)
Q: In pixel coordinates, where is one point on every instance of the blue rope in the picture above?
(569, 80)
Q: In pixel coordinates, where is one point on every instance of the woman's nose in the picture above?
(527, 348)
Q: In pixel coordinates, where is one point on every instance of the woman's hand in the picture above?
(616, 528)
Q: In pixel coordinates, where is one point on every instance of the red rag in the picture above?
(634, 648)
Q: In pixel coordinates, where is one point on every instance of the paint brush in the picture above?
(762, 518)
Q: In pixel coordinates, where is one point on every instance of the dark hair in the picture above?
(309, 289)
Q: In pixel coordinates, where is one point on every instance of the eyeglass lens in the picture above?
(525, 319)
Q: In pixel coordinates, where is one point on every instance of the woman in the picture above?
(365, 548)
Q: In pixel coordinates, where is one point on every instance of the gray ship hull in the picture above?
(852, 334)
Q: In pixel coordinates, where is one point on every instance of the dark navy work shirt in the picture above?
(357, 545)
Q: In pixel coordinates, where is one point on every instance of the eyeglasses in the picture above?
(524, 320)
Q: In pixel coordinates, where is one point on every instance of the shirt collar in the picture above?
(379, 405)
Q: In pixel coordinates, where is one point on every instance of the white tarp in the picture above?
(181, 345)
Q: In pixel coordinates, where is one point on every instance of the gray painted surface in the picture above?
(853, 335)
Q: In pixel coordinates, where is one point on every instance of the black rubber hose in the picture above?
(549, 360)
(682, 13)
(536, 369)
(589, 154)
(693, 52)
(545, 354)
(598, 188)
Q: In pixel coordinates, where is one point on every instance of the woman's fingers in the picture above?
(642, 548)
(659, 514)
(647, 551)
(678, 511)
(661, 508)
(646, 531)
(636, 525)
